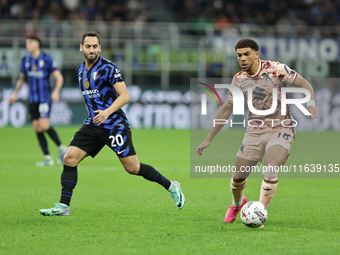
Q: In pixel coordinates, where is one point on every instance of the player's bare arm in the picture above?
(302, 83)
(18, 86)
(223, 113)
(59, 81)
(122, 99)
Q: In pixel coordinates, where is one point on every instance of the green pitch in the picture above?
(113, 212)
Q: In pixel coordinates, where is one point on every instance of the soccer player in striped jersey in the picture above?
(36, 68)
(105, 93)
(268, 135)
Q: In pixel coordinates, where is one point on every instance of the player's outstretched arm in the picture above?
(59, 81)
(18, 86)
(122, 99)
(224, 113)
(302, 83)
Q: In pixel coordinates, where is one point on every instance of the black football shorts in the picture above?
(39, 110)
(92, 139)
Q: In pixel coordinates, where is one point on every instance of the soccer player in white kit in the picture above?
(267, 135)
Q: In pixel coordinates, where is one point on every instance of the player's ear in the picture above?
(257, 53)
(100, 48)
(81, 47)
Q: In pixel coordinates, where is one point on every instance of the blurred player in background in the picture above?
(105, 93)
(36, 68)
(262, 138)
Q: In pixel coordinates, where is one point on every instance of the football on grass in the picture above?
(254, 214)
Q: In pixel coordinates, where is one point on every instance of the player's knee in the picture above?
(38, 129)
(70, 159)
(132, 169)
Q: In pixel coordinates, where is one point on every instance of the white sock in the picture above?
(237, 203)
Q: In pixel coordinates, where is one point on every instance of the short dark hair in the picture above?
(92, 34)
(247, 43)
(34, 37)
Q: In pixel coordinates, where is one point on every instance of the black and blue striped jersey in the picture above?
(97, 88)
(38, 73)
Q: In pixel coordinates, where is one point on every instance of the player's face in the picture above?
(248, 59)
(90, 48)
(32, 45)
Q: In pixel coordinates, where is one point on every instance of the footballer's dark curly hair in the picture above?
(247, 43)
(92, 34)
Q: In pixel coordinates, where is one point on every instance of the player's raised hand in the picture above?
(100, 117)
(202, 146)
(313, 111)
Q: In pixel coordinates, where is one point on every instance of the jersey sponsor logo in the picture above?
(94, 75)
(258, 93)
(91, 93)
(37, 74)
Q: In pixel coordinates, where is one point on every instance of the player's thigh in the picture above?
(243, 168)
(87, 138)
(36, 126)
(252, 148)
(44, 123)
(131, 164)
(278, 147)
(74, 155)
(276, 155)
(34, 116)
(120, 141)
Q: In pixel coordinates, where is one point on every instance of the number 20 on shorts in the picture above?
(116, 140)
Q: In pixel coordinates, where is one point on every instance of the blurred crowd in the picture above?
(98, 10)
(222, 13)
(268, 12)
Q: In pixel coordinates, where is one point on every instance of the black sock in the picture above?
(151, 174)
(68, 182)
(54, 136)
(43, 142)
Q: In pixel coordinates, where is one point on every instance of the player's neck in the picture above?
(35, 54)
(89, 65)
(254, 69)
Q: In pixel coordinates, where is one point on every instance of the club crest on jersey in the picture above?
(94, 75)
(35, 68)
(86, 84)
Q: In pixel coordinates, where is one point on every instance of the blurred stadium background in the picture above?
(159, 45)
